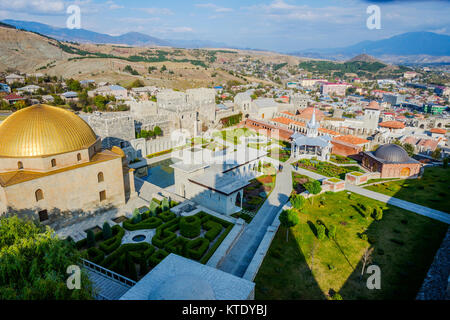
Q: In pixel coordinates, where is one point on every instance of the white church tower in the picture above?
(312, 127)
(372, 116)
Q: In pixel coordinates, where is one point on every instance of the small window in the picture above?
(20, 165)
(100, 177)
(102, 195)
(43, 215)
(53, 162)
(39, 195)
(79, 156)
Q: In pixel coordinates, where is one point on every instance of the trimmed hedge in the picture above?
(216, 244)
(177, 246)
(213, 228)
(157, 257)
(190, 226)
(196, 248)
(167, 216)
(113, 243)
(149, 223)
(95, 255)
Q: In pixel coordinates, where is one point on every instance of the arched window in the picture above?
(100, 177)
(79, 156)
(39, 195)
(20, 165)
(53, 162)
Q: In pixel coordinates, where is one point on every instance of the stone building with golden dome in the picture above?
(51, 159)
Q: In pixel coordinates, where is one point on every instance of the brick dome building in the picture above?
(392, 161)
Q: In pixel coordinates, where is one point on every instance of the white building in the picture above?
(311, 145)
(216, 181)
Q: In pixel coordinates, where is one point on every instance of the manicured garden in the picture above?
(431, 190)
(324, 252)
(196, 237)
(326, 168)
(342, 160)
(254, 196)
(280, 154)
(298, 182)
(234, 135)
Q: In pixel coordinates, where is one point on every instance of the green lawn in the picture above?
(234, 136)
(431, 190)
(404, 246)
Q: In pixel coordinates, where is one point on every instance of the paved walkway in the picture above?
(240, 256)
(424, 211)
(416, 208)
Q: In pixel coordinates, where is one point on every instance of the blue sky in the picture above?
(281, 25)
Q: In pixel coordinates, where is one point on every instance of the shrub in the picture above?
(190, 226)
(216, 244)
(364, 237)
(297, 201)
(213, 228)
(165, 205)
(167, 216)
(157, 257)
(136, 216)
(149, 223)
(113, 243)
(107, 233)
(321, 232)
(197, 248)
(177, 246)
(90, 239)
(95, 255)
(337, 296)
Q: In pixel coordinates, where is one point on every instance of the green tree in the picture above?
(313, 187)
(378, 214)
(288, 219)
(90, 240)
(445, 163)
(100, 102)
(436, 154)
(34, 261)
(297, 201)
(107, 233)
(157, 131)
(409, 148)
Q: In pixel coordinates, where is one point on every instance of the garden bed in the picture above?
(195, 237)
(326, 169)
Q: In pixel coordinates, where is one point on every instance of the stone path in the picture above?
(416, 208)
(240, 256)
(422, 210)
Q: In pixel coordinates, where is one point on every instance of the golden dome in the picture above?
(42, 130)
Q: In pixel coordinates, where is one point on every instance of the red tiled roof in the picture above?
(392, 124)
(438, 130)
(351, 139)
(282, 120)
(12, 96)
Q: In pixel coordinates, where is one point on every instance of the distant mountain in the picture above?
(364, 58)
(130, 38)
(406, 44)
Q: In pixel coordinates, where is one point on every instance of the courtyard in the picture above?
(138, 244)
(305, 267)
(431, 190)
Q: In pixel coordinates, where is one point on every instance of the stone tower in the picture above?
(372, 116)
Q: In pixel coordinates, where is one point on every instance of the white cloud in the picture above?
(214, 7)
(34, 6)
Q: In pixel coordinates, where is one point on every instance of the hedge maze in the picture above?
(196, 237)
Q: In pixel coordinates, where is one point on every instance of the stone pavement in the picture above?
(77, 230)
(240, 256)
